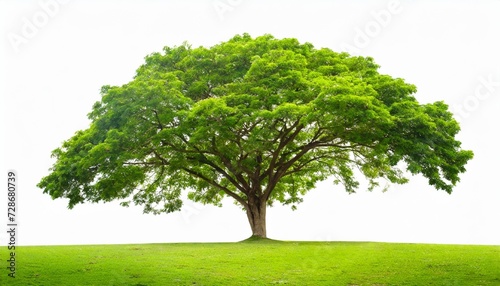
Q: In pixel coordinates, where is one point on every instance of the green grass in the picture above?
(255, 262)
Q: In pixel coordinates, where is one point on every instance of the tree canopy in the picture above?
(260, 120)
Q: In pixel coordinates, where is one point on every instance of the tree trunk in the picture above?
(256, 213)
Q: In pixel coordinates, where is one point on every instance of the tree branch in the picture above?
(220, 171)
(283, 142)
(227, 163)
(215, 184)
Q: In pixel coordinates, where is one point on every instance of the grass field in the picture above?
(255, 263)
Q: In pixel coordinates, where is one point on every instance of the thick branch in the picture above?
(215, 184)
(282, 168)
(283, 143)
(220, 171)
(227, 163)
(158, 119)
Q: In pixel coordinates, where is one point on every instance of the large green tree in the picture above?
(260, 120)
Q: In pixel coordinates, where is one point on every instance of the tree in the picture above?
(260, 120)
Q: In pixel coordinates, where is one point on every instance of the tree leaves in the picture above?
(254, 119)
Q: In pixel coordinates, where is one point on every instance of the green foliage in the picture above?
(253, 118)
(257, 262)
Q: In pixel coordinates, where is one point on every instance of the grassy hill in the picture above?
(255, 262)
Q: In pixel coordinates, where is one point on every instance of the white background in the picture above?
(55, 56)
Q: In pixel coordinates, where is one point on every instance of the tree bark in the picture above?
(256, 212)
